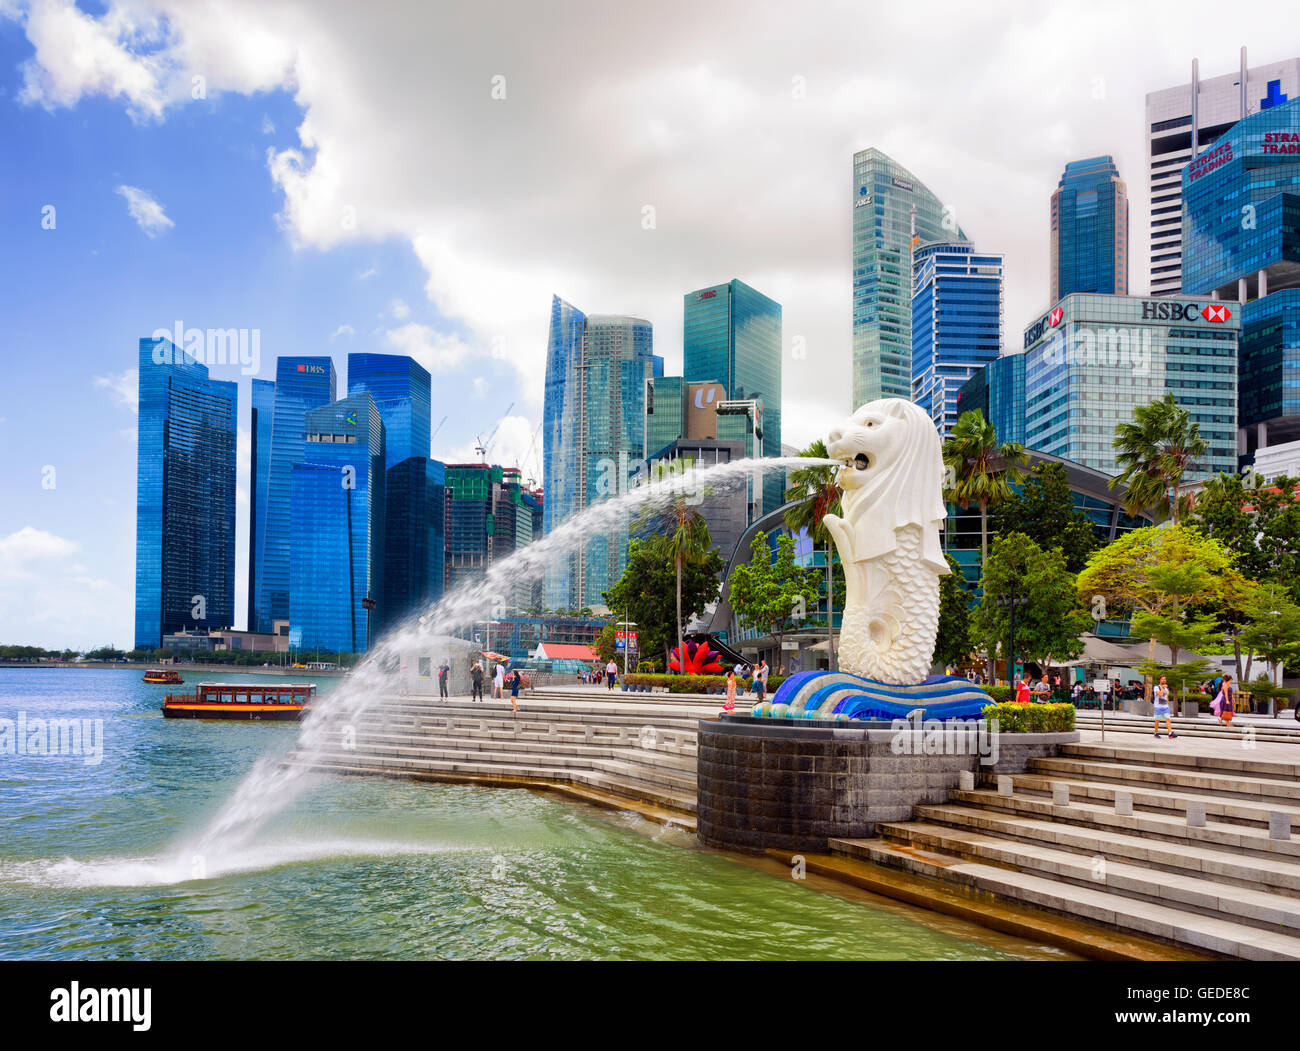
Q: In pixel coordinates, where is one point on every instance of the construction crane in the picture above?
(439, 427)
(483, 446)
(532, 479)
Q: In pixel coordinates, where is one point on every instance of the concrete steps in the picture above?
(1137, 776)
(1283, 729)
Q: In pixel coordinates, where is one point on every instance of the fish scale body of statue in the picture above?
(888, 539)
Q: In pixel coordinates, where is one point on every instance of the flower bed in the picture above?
(1031, 718)
(695, 683)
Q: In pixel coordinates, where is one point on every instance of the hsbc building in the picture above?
(1092, 359)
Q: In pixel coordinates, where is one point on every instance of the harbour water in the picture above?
(94, 862)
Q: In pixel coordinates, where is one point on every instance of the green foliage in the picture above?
(603, 645)
(1259, 524)
(769, 595)
(1154, 452)
(697, 683)
(1044, 511)
(1000, 694)
(980, 470)
(1051, 620)
(952, 643)
(813, 494)
(1031, 718)
(1123, 575)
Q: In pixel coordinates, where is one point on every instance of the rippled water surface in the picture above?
(93, 862)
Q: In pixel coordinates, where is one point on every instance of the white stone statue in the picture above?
(888, 539)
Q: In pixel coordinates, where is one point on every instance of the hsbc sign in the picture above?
(1166, 310)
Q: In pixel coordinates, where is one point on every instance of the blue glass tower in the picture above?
(185, 496)
(259, 480)
(732, 335)
(415, 540)
(337, 527)
(956, 323)
(400, 387)
(301, 384)
(593, 431)
(1090, 230)
(997, 392)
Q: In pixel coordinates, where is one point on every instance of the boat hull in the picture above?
(248, 713)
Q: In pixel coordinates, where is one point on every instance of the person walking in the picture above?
(443, 672)
(729, 705)
(1022, 690)
(1224, 703)
(514, 690)
(1160, 697)
(611, 674)
(499, 682)
(1042, 691)
(760, 680)
(476, 682)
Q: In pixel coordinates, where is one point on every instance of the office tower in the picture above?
(337, 527)
(301, 384)
(1090, 230)
(732, 336)
(401, 389)
(997, 392)
(665, 412)
(1184, 121)
(415, 537)
(490, 516)
(1241, 245)
(892, 210)
(1092, 359)
(258, 482)
(185, 496)
(593, 431)
(957, 305)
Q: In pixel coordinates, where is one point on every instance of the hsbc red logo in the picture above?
(1212, 312)
(1054, 318)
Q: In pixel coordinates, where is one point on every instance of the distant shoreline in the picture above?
(248, 669)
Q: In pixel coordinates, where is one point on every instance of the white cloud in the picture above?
(343, 330)
(48, 598)
(268, 126)
(147, 213)
(18, 551)
(436, 351)
(399, 309)
(123, 388)
(367, 273)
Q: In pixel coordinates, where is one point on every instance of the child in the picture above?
(1160, 695)
(730, 704)
(514, 691)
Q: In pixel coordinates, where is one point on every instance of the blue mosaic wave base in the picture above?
(842, 697)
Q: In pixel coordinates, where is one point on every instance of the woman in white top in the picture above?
(499, 681)
(1160, 695)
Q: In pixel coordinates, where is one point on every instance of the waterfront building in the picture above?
(1090, 230)
(263, 413)
(337, 517)
(957, 311)
(1092, 359)
(401, 389)
(185, 496)
(892, 210)
(997, 392)
(1184, 121)
(732, 336)
(593, 433)
(415, 537)
(727, 507)
(301, 384)
(490, 516)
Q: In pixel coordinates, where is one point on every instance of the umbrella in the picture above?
(493, 656)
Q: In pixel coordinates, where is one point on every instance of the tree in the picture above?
(952, 643)
(1051, 619)
(768, 594)
(1176, 625)
(1128, 575)
(1161, 445)
(813, 494)
(687, 537)
(1272, 631)
(1044, 511)
(1259, 524)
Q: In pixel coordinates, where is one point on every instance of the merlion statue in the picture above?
(888, 539)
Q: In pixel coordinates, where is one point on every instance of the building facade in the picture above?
(891, 210)
(1182, 122)
(415, 537)
(1090, 230)
(997, 392)
(185, 496)
(259, 475)
(957, 317)
(400, 387)
(1092, 359)
(732, 335)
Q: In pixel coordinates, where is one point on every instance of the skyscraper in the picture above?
(1090, 230)
(301, 384)
(259, 480)
(401, 389)
(732, 335)
(957, 306)
(890, 207)
(1183, 121)
(997, 392)
(337, 526)
(185, 496)
(593, 431)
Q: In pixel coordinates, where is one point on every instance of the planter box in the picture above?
(1191, 709)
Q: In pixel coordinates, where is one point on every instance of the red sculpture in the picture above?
(700, 660)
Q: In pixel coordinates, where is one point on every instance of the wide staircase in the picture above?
(613, 749)
(1175, 843)
(1282, 730)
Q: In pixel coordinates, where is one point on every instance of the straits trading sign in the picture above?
(1152, 310)
(1210, 160)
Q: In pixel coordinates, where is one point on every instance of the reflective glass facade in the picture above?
(337, 516)
(1092, 359)
(185, 496)
(997, 392)
(259, 481)
(1090, 230)
(665, 413)
(884, 193)
(732, 335)
(415, 542)
(400, 387)
(956, 324)
(301, 384)
(1270, 368)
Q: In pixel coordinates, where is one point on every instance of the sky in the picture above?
(421, 178)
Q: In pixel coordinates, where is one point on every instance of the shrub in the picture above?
(1031, 718)
(697, 683)
(1000, 694)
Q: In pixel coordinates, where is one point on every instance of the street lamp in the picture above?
(368, 604)
(1010, 602)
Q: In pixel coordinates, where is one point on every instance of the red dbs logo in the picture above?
(1054, 318)
(1215, 313)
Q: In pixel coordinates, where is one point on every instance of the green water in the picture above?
(93, 863)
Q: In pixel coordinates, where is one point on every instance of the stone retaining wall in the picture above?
(776, 784)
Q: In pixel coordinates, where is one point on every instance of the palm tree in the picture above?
(1155, 451)
(814, 494)
(688, 541)
(981, 471)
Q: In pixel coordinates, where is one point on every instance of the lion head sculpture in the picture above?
(892, 477)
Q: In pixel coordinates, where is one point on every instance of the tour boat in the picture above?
(163, 675)
(241, 700)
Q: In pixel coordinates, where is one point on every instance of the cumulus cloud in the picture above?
(123, 388)
(147, 213)
(436, 351)
(45, 592)
(399, 309)
(343, 330)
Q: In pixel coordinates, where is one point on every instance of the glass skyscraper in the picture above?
(957, 307)
(665, 413)
(301, 384)
(185, 496)
(415, 542)
(337, 526)
(1090, 230)
(732, 335)
(400, 387)
(259, 481)
(887, 201)
(593, 432)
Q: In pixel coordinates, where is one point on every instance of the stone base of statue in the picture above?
(843, 697)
